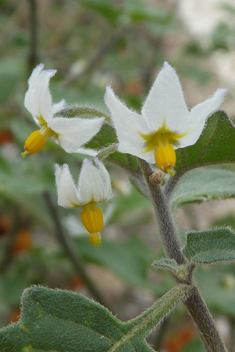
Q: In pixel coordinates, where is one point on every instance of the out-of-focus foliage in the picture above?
(94, 43)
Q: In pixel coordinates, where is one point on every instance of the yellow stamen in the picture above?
(162, 142)
(37, 140)
(92, 219)
(165, 158)
(95, 239)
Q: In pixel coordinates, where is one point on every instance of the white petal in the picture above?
(165, 101)
(66, 190)
(59, 106)
(38, 97)
(94, 182)
(87, 151)
(74, 132)
(198, 117)
(128, 125)
(34, 75)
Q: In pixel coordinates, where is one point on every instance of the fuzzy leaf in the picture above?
(215, 146)
(56, 320)
(203, 184)
(210, 246)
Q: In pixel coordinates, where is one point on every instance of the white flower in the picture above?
(165, 124)
(70, 133)
(94, 186)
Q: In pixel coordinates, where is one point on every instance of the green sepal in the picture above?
(203, 184)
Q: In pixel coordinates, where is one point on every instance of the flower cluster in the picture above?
(164, 125)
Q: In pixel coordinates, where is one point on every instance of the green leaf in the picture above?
(106, 8)
(194, 345)
(179, 271)
(56, 320)
(215, 146)
(141, 11)
(218, 288)
(210, 246)
(203, 184)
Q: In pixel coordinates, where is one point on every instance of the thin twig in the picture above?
(8, 250)
(68, 249)
(160, 334)
(33, 54)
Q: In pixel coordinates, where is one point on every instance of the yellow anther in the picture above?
(165, 158)
(34, 143)
(95, 239)
(92, 218)
(37, 140)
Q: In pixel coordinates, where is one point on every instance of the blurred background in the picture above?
(92, 44)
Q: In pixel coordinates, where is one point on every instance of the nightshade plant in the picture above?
(178, 141)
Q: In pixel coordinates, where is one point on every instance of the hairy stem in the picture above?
(195, 304)
(200, 314)
(165, 221)
(72, 255)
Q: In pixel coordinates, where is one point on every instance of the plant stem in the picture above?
(161, 334)
(195, 304)
(165, 221)
(199, 312)
(33, 55)
(72, 255)
(8, 252)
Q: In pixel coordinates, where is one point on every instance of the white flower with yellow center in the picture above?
(93, 187)
(165, 123)
(70, 133)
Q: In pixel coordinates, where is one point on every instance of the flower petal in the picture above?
(38, 98)
(128, 125)
(74, 132)
(165, 102)
(59, 106)
(66, 190)
(34, 75)
(87, 151)
(94, 182)
(198, 116)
